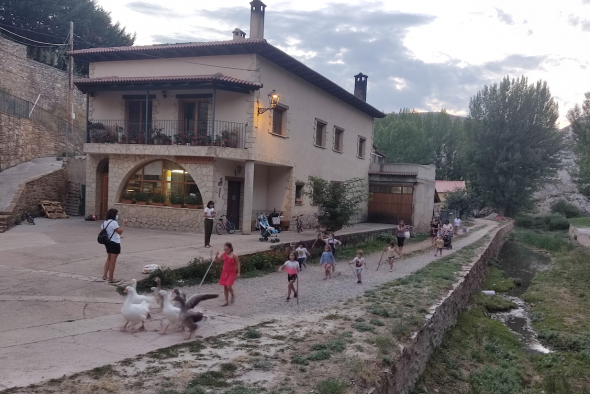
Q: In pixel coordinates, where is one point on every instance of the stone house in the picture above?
(238, 122)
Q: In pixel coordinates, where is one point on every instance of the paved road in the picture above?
(63, 321)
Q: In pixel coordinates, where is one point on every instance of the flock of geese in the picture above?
(174, 306)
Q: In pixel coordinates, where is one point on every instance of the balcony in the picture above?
(168, 132)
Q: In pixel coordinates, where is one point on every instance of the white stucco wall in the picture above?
(238, 66)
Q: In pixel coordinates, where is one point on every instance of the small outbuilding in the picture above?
(443, 188)
(402, 191)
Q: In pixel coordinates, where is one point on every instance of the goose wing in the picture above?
(194, 300)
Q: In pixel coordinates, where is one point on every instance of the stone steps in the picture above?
(4, 222)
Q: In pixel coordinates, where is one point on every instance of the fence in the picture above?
(18, 107)
(168, 132)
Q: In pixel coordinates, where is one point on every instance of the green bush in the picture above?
(176, 199)
(141, 196)
(331, 387)
(193, 200)
(127, 196)
(158, 198)
(566, 209)
(319, 355)
(559, 223)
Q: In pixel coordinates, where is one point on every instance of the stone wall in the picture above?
(162, 218)
(580, 235)
(26, 79)
(23, 140)
(50, 187)
(410, 365)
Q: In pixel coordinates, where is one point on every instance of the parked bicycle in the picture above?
(298, 223)
(225, 225)
(27, 216)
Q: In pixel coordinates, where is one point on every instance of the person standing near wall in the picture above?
(401, 236)
(209, 215)
(114, 245)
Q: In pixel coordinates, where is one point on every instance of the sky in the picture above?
(426, 55)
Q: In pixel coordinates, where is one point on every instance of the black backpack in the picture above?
(103, 237)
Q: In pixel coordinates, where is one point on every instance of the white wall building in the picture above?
(195, 119)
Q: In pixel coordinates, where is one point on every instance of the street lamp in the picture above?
(273, 99)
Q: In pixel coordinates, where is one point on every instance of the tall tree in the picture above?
(48, 21)
(513, 142)
(579, 118)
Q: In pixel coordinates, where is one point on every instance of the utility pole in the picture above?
(70, 88)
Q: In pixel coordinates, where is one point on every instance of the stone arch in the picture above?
(192, 170)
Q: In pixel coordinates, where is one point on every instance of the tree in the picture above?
(339, 202)
(513, 143)
(463, 200)
(579, 118)
(48, 21)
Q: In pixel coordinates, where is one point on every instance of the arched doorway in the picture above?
(102, 188)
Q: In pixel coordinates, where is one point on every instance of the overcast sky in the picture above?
(422, 54)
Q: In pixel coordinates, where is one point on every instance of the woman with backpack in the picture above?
(113, 245)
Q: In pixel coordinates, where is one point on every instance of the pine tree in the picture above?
(512, 142)
(579, 118)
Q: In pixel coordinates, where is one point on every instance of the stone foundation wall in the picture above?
(410, 365)
(23, 140)
(50, 187)
(162, 218)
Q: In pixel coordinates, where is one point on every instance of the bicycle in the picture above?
(27, 216)
(225, 225)
(298, 223)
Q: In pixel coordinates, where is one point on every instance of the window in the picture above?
(320, 133)
(338, 139)
(396, 190)
(408, 190)
(162, 177)
(299, 193)
(193, 115)
(361, 144)
(136, 119)
(279, 120)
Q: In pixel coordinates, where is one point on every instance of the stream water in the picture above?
(519, 262)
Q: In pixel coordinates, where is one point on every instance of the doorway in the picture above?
(103, 175)
(233, 202)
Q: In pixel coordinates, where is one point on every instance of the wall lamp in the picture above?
(273, 99)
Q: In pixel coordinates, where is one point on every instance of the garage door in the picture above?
(391, 203)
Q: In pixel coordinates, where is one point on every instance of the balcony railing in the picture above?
(168, 132)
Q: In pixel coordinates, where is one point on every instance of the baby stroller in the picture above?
(448, 239)
(266, 230)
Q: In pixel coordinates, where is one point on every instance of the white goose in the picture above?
(171, 312)
(138, 298)
(132, 312)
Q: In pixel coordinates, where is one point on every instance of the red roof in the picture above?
(449, 186)
(175, 78)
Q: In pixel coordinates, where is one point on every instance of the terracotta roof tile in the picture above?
(393, 173)
(175, 78)
(449, 186)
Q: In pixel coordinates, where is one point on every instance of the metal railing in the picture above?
(168, 132)
(18, 107)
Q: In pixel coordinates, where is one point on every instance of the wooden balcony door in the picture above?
(136, 120)
(193, 116)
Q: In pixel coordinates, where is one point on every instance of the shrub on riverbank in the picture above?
(542, 222)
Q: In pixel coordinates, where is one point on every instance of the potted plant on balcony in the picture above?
(182, 138)
(135, 137)
(193, 202)
(176, 200)
(122, 139)
(157, 136)
(230, 138)
(218, 141)
(141, 198)
(158, 199)
(166, 140)
(127, 198)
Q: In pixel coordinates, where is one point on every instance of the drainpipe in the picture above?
(87, 119)
(213, 114)
(147, 106)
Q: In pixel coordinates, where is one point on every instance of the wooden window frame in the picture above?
(181, 102)
(284, 109)
(361, 142)
(338, 131)
(324, 134)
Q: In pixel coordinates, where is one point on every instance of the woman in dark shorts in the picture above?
(401, 237)
(114, 245)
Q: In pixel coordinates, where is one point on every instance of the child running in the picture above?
(231, 269)
(302, 255)
(391, 250)
(327, 260)
(291, 266)
(332, 242)
(440, 244)
(359, 262)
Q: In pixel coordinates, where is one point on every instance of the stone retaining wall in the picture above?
(50, 187)
(410, 365)
(162, 218)
(24, 140)
(580, 235)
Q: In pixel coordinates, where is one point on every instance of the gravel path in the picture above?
(264, 297)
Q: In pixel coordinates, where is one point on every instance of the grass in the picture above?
(553, 241)
(580, 222)
(480, 355)
(497, 281)
(331, 387)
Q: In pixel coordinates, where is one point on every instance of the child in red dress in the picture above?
(231, 268)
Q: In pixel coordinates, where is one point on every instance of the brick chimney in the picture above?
(257, 19)
(239, 34)
(360, 86)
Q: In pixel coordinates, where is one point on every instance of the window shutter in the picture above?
(315, 126)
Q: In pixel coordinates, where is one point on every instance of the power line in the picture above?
(31, 31)
(38, 42)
